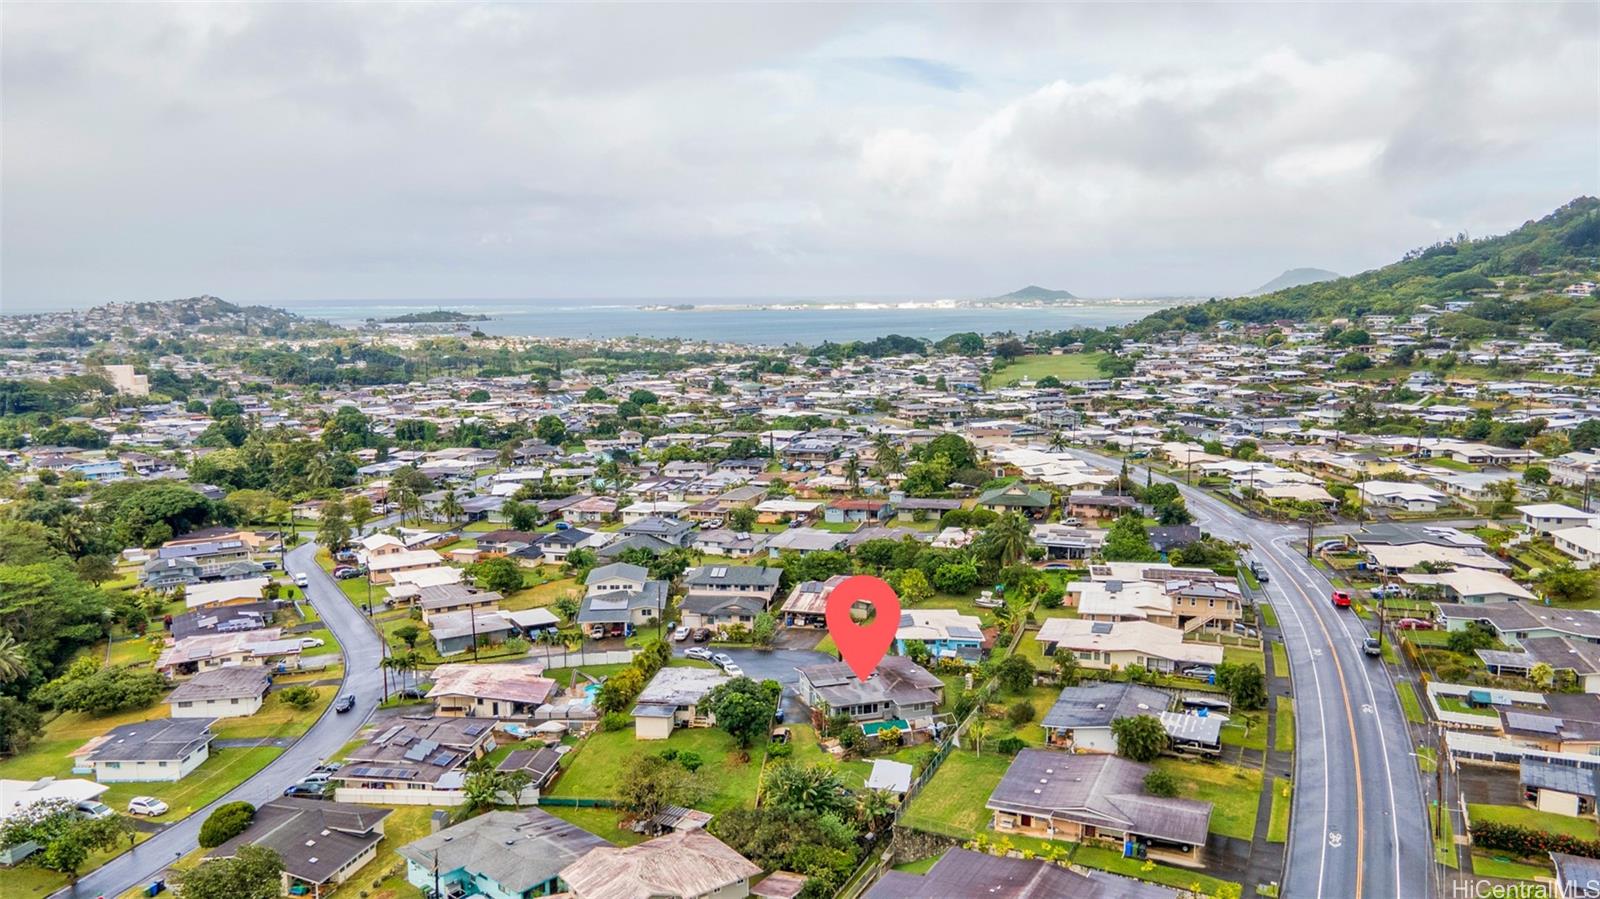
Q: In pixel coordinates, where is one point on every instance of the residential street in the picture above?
(362, 651)
(1359, 825)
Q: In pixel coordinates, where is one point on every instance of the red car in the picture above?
(1414, 624)
(1341, 599)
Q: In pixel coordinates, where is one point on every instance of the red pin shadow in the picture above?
(863, 646)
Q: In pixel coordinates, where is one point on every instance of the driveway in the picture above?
(362, 650)
(778, 665)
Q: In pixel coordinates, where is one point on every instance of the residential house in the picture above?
(776, 511)
(245, 591)
(490, 691)
(1081, 718)
(223, 619)
(1581, 543)
(1115, 645)
(945, 632)
(621, 597)
(726, 542)
(850, 509)
(966, 872)
(221, 693)
(672, 700)
(201, 652)
(1098, 798)
(1402, 495)
(415, 761)
(1018, 498)
(722, 595)
(457, 632)
(321, 844)
(1560, 789)
(160, 749)
(382, 569)
(1096, 506)
(668, 530)
(1471, 586)
(1069, 543)
(899, 690)
(807, 603)
(501, 854)
(678, 865)
(805, 540)
(1547, 518)
(164, 575)
(590, 510)
(446, 598)
(1513, 622)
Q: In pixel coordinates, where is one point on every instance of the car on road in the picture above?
(1371, 646)
(1414, 624)
(732, 670)
(1341, 599)
(345, 703)
(722, 659)
(1200, 672)
(311, 642)
(300, 579)
(702, 634)
(146, 805)
(698, 652)
(94, 808)
(681, 634)
(305, 790)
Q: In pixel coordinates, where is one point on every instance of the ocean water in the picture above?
(753, 321)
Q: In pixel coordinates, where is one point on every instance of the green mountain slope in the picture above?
(1529, 266)
(1035, 292)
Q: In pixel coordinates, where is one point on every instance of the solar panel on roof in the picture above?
(404, 739)
(472, 730)
(445, 759)
(420, 751)
(966, 633)
(1100, 627)
(389, 734)
(1535, 723)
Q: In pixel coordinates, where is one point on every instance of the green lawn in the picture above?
(1505, 868)
(276, 718)
(598, 762)
(1178, 878)
(1234, 793)
(1284, 738)
(920, 866)
(224, 770)
(1409, 703)
(1444, 844)
(1549, 822)
(1253, 736)
(131, 651)
(1459, 706)
(1239, 655)
(1280, 661)
(1067, 367)
(602, 822)
(1282, 798)
(1268, 616)
(953, 802)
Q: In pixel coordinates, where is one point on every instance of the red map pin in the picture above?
(863, 646)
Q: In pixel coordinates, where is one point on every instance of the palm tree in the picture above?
(13, 663)
(1007, 539)
(978, 730)
(852, 474)
(889, 460)
(450, 507)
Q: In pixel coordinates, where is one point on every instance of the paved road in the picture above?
(362, 651)
(776, 664)
(1359, 826)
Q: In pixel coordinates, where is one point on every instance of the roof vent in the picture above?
(1143, 706)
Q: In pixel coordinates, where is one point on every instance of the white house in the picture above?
(1547, 518)
(161, 749)
(221, 693)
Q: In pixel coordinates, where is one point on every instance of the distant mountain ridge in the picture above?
(1035, 292)
(1295, 277)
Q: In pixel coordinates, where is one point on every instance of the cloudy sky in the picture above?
(289, 151)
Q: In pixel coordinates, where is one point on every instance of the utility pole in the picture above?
(1311, 525)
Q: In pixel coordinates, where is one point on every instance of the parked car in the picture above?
(1388, 590)
(94, 808)
(1200, 672)
(1071, 521)
(146, 805)
(702, 634)
(310, 642)
(722, 659)
(698, 652)
(732, 670)
(711, 524)
(345, 703)
(318, 776)
(346, 572)
(681, 634)
(563, 526)
(330, 766)
(412, 693)
(269, 564)
(1341, 599)
(1371, 646)
(1414, 624)
(307, 791)
(1330, 546)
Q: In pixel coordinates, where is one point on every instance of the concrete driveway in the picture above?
(774, 664)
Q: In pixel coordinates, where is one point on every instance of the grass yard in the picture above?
(1459, 706)
(131, 651)
(1067, 367)
(1505, 868)
(1284, 738)
(1253, 736)
(1268, 616)
(1409, 703)
(537, 592)
(1167, 875)
(1444, 844)
(953, 802)
(404, 824)
(1282, 798)
(599, 760)
(920, 866)
(1239, 655)
(1235, 793)
(276, 718)
(605, 823)
(1549, 822)
(1280, 661)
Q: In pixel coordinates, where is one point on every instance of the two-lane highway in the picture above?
(1359, 826)
(362, 676)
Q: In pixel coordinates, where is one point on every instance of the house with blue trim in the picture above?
(502, 855)
(946, 632)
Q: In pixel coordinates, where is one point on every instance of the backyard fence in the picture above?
(554, 657)
(576, 802)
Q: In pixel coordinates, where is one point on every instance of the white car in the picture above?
(722, 660)
(698, 652)
(732, 670)
(146, 805)
(94, 808)
(681, 634)
(316, 777)
(300, 580)
(310, 642)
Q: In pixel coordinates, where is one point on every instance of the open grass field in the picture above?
(1549, 822)
(598, 763)
(1067, 367)
(953, 802)
(1233, 792)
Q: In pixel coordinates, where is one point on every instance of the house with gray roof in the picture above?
(672, 700)
(1098, 798)
(231, 692)
(502, 854)
(1562, 789)
(965, 872)
(667, 530)
(899, 690)
(161, 749)
(622, 596)
(1081, 718)
(322, 844)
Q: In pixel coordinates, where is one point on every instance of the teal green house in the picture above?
(502, 855)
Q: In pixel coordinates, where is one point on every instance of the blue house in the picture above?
(946, 632)
(502, 855)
